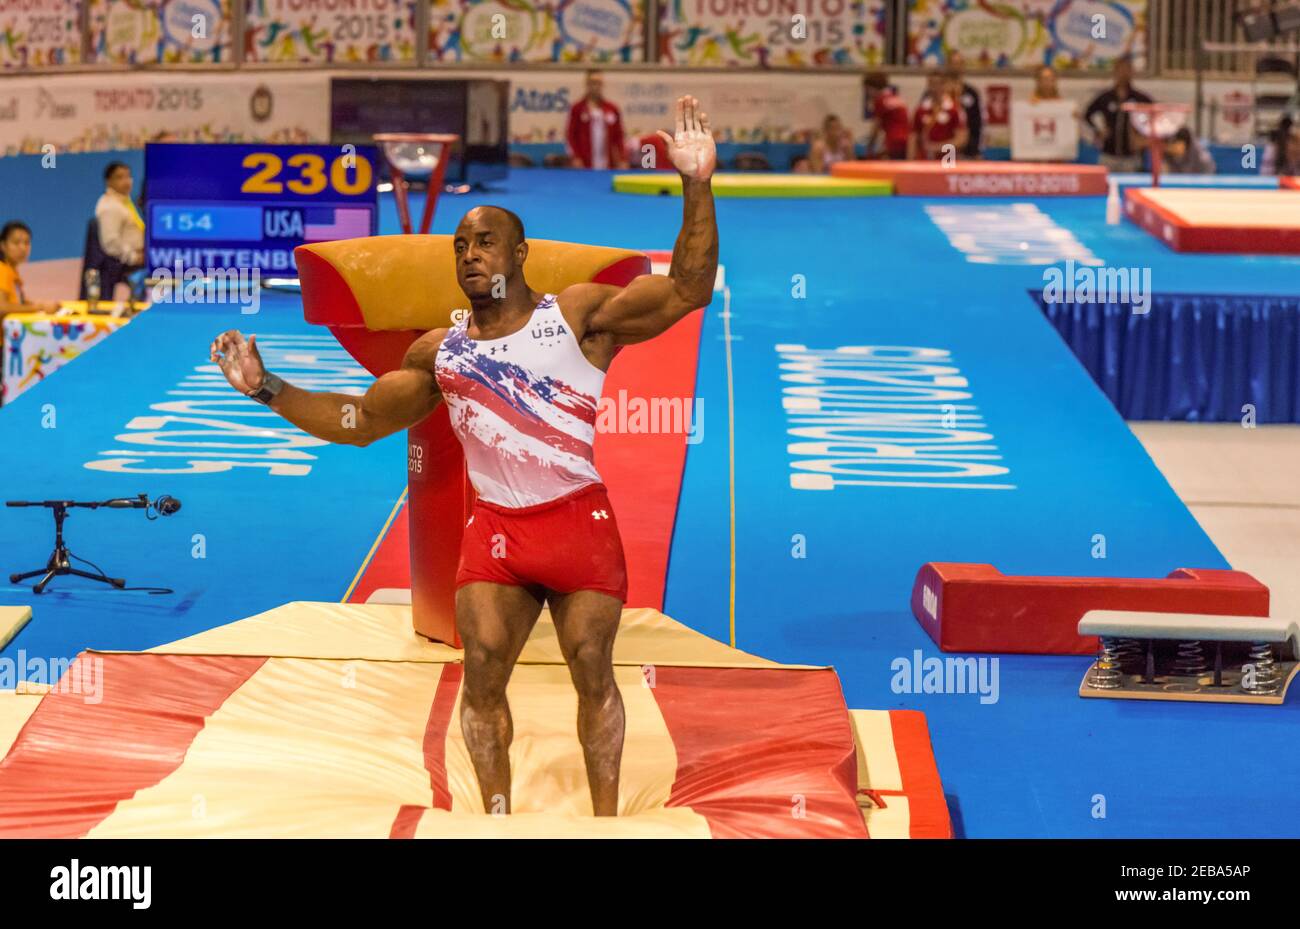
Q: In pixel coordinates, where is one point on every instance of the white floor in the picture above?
(1243, 487)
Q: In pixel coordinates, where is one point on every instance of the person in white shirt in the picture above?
(121, 230)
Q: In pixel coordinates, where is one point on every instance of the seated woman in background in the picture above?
(15, 247)
(1184, 155)
(832, 144)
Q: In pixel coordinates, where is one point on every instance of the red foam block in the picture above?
(980, 178)
(976, 608)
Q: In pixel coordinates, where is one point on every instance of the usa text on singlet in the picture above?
(523, 407)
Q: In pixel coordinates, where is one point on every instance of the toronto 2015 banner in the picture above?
(1067, 34)
(595, 31)
(39, 34)
(772, 33)
(330, 31)
(130, 32)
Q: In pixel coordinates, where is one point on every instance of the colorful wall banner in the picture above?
(740, 108)
(125, 32)
(121, 110)
(37, 344)
(39, 34)
(595, 31)
(330, 31)
(1067, 34)
(775, 33)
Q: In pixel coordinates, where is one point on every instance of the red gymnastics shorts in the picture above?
(567, 544)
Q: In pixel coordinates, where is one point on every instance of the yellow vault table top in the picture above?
(756, 185)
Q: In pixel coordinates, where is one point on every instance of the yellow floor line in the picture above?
(365, 563)
(731, 452)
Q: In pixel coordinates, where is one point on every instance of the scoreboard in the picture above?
(218, 207)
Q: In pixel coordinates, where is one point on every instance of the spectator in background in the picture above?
(940, 121)
(971, 104)
(889, 112)
(1121, 147)
(121, 230)
(832, 144)
(15, 249)
(1045, 85)
(1285, 150)
(1184, 155)
(594, 136)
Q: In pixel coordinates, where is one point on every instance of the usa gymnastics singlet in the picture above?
(523, 407)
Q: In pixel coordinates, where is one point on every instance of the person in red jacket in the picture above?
(893, 127)
(594, 136)
(940, 121)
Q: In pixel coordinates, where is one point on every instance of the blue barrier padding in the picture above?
(1202, 358)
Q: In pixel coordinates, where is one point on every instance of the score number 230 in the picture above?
(271, 174)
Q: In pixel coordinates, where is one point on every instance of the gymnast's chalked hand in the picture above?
(691, 145)
(239, 360)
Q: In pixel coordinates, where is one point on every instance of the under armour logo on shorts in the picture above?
(599, 514)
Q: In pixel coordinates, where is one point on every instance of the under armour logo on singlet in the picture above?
(599, 514)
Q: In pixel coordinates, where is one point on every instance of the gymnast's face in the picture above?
(487, 254)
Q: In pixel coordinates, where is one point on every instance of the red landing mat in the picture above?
(977, 608)
(1187, 219)
(980, 178)
(221, 745)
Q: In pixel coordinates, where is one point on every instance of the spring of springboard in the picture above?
(1105, 673)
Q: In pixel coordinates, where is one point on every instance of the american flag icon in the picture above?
(328, 223)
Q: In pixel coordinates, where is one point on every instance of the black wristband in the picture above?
(271, 387)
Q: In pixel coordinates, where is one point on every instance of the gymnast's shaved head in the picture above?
(490, 249)
(500, 214)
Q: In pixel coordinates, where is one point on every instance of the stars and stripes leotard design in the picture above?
(523, 407)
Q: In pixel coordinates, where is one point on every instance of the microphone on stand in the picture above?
(60, 563)
(163, 506)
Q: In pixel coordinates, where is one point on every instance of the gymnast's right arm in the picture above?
(395, 401)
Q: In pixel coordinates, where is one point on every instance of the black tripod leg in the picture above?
(115, 581)
(40, 586)
(15, 578)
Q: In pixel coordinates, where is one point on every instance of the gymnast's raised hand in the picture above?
(691, 146)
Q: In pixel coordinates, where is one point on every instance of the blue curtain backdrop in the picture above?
(1192, 357)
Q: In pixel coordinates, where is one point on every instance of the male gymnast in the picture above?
(521, 377)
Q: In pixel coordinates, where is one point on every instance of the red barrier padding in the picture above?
(980, 178)
(1292, 183)
(976, 608)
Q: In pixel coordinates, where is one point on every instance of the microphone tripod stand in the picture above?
(60, 563)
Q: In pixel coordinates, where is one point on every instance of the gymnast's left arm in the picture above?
(653, 302)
